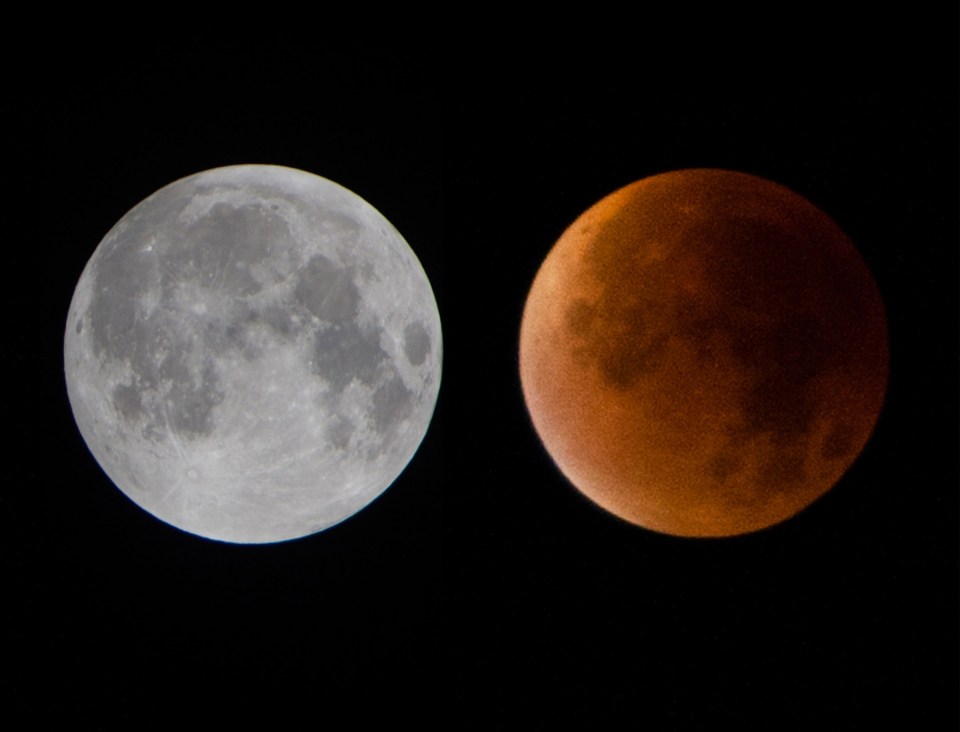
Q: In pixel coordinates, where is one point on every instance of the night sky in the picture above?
(481, 583)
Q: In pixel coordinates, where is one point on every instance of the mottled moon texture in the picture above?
(704, 353)
(253, 354)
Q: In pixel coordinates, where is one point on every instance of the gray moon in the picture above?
(253, 354)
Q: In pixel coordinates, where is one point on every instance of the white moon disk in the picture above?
(253, 354)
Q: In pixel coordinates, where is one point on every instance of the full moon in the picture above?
(253, 354)
(704, 353)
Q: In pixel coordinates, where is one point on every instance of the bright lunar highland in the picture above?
(253, 354)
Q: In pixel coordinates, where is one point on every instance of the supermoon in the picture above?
(704, 353)
(253, 354)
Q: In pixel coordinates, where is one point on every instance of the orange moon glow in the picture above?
(704, 353)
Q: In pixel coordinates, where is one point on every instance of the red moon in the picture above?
(704, 353)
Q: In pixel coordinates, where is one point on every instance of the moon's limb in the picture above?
(253, 353)
(704, 353)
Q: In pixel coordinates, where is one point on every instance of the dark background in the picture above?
(482, 583)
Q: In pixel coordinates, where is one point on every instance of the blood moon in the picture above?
(704, 353)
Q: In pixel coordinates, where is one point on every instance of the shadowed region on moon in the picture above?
(253, 353)
(704, 353)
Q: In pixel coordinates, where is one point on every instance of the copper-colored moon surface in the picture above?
(704, 353)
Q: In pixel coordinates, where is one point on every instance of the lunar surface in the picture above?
(253, 354)
(704, 353)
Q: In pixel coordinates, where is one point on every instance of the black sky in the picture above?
(481, 580)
